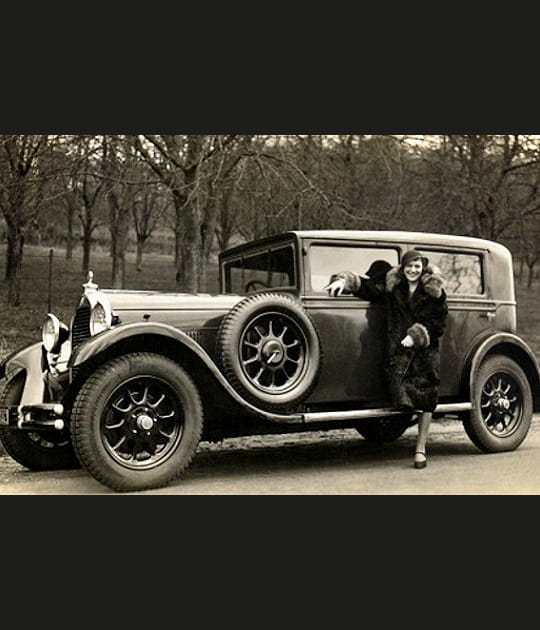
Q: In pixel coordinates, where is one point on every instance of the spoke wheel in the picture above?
(502, 406)
(273, 351)
(269, 350)
(143, 423)
(137, 422)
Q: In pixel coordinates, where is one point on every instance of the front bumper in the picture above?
(43, 417)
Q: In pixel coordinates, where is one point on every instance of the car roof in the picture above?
(395, 236)
(398, 236)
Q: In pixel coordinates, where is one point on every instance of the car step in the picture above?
(366, 414)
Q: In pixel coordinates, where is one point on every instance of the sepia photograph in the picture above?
(270, 314)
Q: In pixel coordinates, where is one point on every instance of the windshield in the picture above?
(270, 268)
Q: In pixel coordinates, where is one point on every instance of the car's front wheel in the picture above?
(35, 450)
(502, 406)
(137, 422)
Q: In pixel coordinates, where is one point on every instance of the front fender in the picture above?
(102, 342)
(98, 344)
(30, 361)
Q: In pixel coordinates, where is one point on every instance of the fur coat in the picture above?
(413, 373)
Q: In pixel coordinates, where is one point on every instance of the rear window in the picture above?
(462, 272)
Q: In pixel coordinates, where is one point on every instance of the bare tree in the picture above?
(26, 168)
(179, 162)
(78, 151)
(118, 166)
(149, 206)
(482, 184)
(90, 190)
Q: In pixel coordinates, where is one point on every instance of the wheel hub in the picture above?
(145, 422)
(273, 352)
(503, 404)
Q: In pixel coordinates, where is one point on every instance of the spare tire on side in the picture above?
(269, 350)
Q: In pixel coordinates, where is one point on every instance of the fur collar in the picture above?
(432, 280)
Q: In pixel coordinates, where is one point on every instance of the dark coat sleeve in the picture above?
(435, 316)
(431, 318)
(362, 288)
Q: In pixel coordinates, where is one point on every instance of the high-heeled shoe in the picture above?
(422, 463)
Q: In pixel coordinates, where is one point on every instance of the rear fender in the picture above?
(515, 348)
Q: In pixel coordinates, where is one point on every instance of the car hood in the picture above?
(157, 301)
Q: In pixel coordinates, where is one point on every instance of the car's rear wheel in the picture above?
(269, 350)
(137, 422)
(502, 406)
(384, 430)
(36, 450)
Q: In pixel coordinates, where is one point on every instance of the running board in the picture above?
(366, 414)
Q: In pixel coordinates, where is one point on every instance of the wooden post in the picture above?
(49, 303)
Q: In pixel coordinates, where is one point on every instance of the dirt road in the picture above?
(331, 463)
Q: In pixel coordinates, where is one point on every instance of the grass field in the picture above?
(22, 325)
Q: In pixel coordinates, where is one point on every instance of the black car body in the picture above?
(138, 379)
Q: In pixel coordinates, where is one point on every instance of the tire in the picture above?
(502, 406)
(37, 451)
(137, 422)
(384, 430)
(269, 350)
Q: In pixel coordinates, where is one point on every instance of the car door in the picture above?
(352, 331)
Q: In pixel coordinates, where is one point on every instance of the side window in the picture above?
(265, 269)
(462, 272)
(326, 260)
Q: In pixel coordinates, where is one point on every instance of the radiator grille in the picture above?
(80, 330)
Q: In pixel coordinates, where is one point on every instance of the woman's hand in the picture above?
(336, 288)
(408, 342)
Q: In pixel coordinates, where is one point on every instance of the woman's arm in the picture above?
(359, 285)
(431, 322)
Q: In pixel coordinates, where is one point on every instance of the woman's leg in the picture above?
(424, 422)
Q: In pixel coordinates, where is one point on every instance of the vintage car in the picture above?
(135, 382)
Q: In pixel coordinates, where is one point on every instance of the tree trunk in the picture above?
(87, 245)
(7, 271)
(141, 241)
(15, 246)
(69, 235)
(187, 238)
(119, 237)
(119, 266)
(203, 277)
(191, 252)
(114, 255)
(178, 229)
(531, 275)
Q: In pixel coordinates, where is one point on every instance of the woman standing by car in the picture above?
(416, 311)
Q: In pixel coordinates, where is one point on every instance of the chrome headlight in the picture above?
(53, 333)
(100, 318)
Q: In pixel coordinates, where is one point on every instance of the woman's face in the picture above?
(413, 270)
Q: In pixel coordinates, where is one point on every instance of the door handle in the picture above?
(487, 315)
